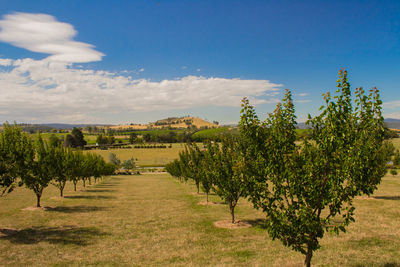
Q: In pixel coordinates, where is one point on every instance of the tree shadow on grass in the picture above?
(100, 190)
(104, 185)
(80, 236)
(76, 209)
(90, 197)
(388, 197)
(388, 264)
(259, 223)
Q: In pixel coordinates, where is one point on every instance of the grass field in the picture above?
(153, 220)
(145, 156)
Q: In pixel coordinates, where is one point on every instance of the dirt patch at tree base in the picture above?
(38, 208)
(227, 224)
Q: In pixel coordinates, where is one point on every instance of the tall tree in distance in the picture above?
(303, 189)
(78, 136)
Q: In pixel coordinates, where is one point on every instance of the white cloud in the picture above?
(44, 34)
(302, 101)
(303, 94)
(198, 70)
(184, 67)
(392, 104)
(5, 62)
(141, 70)
(53, 91)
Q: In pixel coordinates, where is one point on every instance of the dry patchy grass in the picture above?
(153, 220)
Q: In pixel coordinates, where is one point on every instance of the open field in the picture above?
(162, 156)
(153, 220)
(145, 156)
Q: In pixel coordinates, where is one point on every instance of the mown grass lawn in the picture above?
(154, 220)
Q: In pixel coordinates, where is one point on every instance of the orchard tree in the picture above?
(393, 172)
(58, 165)
(191, 164)
(206, 170)
(224, 166)
(73, 165)
(99, 165)
(16, 155)
(40, 173)
(174, 168)
(302, 189)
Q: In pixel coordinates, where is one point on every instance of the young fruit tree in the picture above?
(16, 154)
(191, 164)
(73, 162)
(223, 166)
(308, 189)
(40, 170)
(58, 166)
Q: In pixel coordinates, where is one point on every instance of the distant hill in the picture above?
(392, 123)
(66, 126)
(174, 122)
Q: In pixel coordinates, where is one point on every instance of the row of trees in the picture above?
(304, 189)
(36, 164)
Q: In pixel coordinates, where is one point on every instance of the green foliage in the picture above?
(54, 141)
(223, 171)
(58, 165)
(16, 155)
(396, 158)
(215, 134)
(132, 138)
(114, 159)
(78, 136)
(174, 168)
(40, 171)
(303, 188)
(128, 164)
(191, 162)
(393, 172)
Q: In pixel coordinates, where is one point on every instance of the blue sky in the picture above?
(155, 59)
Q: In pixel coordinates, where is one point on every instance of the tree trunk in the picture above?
(38, 200)
(232, 208)
(75, 182)
(90, 180)
(62, 185)
(207, 197)
(84, 182)
(95, 180)
(309, 255)
(198, 187)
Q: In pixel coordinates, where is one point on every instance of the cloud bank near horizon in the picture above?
(47, 90)
(42, 33)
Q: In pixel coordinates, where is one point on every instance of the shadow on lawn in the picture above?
(74, 209)
(260, 223)
(90, 197)
(54, 235)
(388, 264)
(388, 197)
(100, 191)
(105, 185)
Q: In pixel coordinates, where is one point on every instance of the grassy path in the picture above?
(153, 220)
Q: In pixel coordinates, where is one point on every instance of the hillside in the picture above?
(177, 123)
